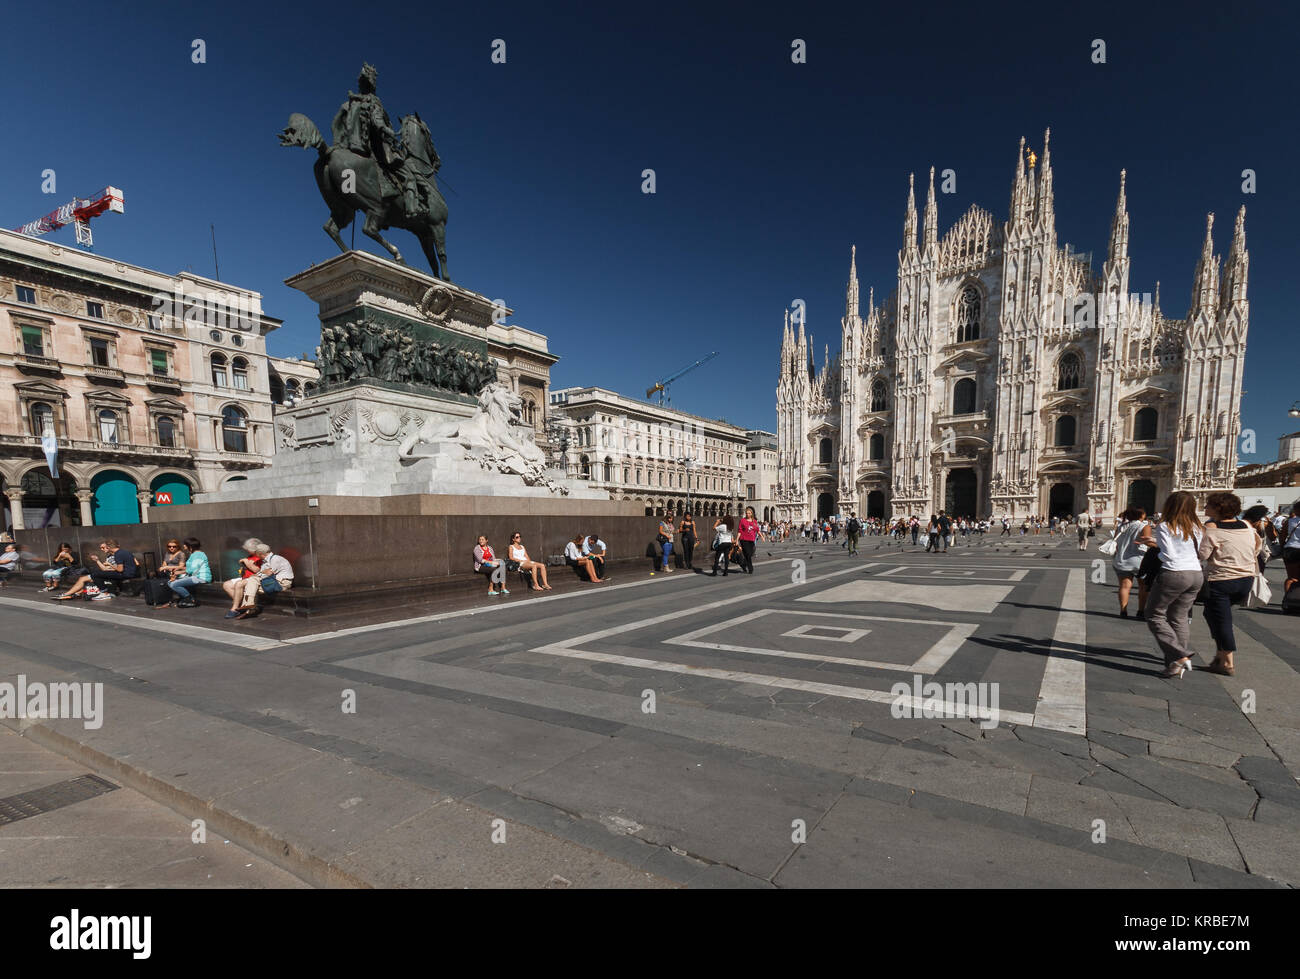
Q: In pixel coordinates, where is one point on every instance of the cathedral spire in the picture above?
(909, 221)
(1118, 251)
(1237, 266)
(1205, 291)
(1018, 188)
(1045, 209)
(851, 298)
(931, 220)
(787, 347)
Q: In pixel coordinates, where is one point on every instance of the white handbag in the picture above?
(1108, 547)
(1260, 594)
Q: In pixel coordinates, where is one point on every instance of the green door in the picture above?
(114, 501)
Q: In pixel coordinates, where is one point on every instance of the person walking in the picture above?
(666, 533)
(1006, 526)
(722, 540)
(687, 532)
(932, 535)
(1178, 535)
(945, 530)
(915, 524)
(853, 531)
(1128, 559)
(1230, 551)
(747, 534)
(1085, 524)
(1289, 534)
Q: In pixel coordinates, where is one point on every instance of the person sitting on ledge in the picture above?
(196, 571)
(594, 549)
(117, 565)
(522, 562)
(485, 562)
(64, 560)
(274, 575)
(9, 563)
(248, 568)
(575, 559)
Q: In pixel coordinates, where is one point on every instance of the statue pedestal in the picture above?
(403, 355)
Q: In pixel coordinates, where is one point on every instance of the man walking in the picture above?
(945, 530)
(854, 529)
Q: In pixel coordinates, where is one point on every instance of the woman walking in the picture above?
(1230, 550)
(747, 535)
(1178, 535)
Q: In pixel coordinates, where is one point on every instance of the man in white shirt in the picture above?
(1085, 522)
(594, 548)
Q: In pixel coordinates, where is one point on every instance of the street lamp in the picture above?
(1295, 410)
(560, 437)
(687, 463)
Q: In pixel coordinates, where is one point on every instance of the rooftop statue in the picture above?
(371, 168)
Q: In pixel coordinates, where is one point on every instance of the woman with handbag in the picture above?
(1229, 549)
(722, 540)
(1178, 535)
(665, 539)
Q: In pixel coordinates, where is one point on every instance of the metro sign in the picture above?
(162, 498)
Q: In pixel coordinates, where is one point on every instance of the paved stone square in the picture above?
(685, 730)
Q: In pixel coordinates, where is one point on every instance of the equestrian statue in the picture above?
(370, 168)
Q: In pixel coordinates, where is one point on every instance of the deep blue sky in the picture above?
(767, 170)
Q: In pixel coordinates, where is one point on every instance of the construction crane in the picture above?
(661, 387)
(77, 212)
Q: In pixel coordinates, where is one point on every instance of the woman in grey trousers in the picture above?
(1178, 536)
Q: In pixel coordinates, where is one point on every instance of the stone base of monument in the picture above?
(348, 443)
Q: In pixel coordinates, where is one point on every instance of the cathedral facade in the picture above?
(1004, 376)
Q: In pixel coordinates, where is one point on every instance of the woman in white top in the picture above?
(1178, 537)
(526, 564)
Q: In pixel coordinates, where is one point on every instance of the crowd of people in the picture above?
(1177, 558)
(100, 574)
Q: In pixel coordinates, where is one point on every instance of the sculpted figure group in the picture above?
(357, 350)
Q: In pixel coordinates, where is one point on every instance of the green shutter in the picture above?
(159, 358)
(33, 341)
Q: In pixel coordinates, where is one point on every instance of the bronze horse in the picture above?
(375, 192)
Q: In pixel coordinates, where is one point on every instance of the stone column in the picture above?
(84, 497)
(144, 496)
(15, 495)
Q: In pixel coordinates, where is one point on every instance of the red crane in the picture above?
(78, 212)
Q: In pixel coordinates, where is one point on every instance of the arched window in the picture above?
(239, 373)
(528, 411)
(108, 425)
(309, 389)
(1145, 424)
(166, 432)
(234, 429)
(1065, 430)
(879, 397)
(586, 467)
(609, 469)
(219, 370)
(276, 384)
(1069, 373)
(42, 416)
(824, 453)
(968, 315)
(963, 397)
(292, 389)
(876, 448)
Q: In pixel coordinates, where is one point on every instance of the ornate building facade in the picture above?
(1004, 376)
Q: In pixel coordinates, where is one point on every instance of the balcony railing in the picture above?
(37, 362)
(105, 373)
(99, 448)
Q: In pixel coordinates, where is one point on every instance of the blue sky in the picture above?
(767, 171)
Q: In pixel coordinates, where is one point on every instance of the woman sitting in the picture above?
(520, 561)
(575, 559)
(195, 571)
(485, 562)
(248, 568)
(59, 567)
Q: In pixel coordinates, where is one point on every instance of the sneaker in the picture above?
(102, 597)
(187, 603)
(232, 613)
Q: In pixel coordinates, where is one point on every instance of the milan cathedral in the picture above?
(1004, 376)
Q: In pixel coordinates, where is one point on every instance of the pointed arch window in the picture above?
(1145, 424)
(234, 429)
(879, 396)
(1065, 431)
(968, 315)
(963, 397)
(1069, 372)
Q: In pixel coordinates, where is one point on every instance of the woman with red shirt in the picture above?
(747, 534)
